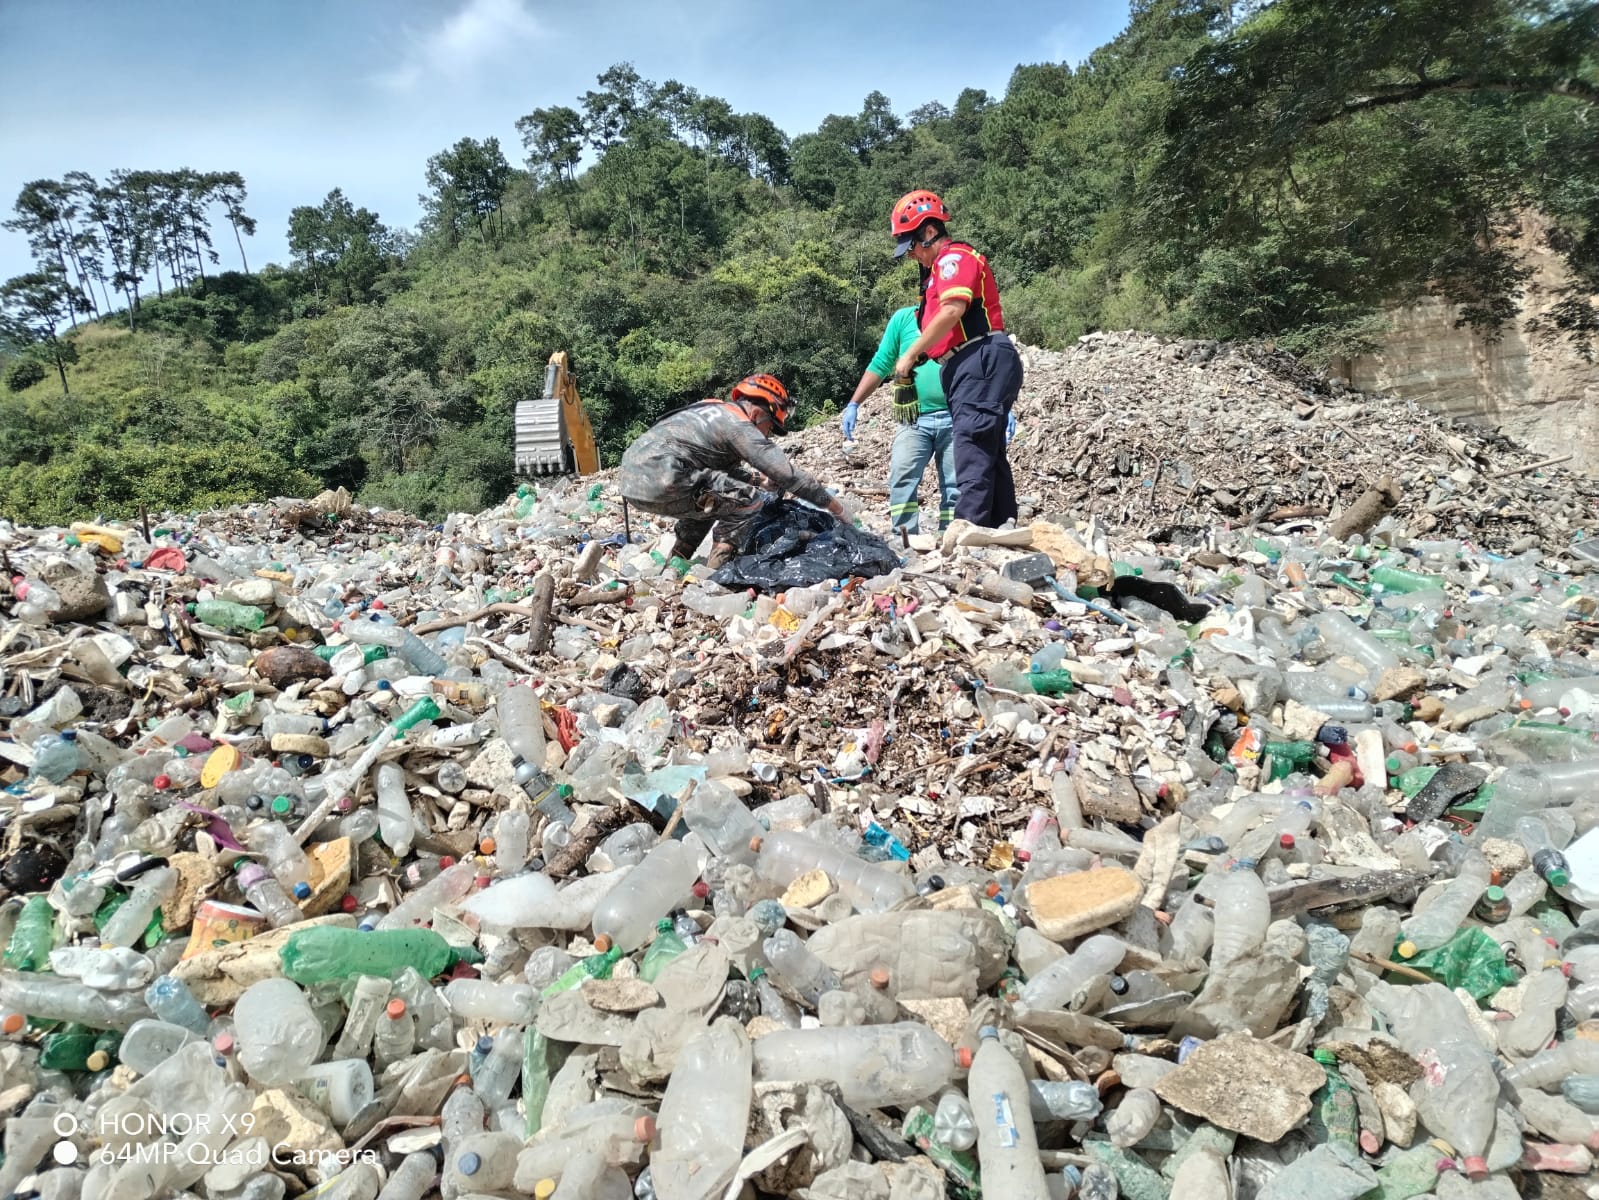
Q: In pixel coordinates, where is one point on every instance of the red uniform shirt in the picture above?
(961, 273)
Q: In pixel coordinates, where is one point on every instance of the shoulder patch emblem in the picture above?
(948, 265)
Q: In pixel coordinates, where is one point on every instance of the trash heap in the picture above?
(1164, 440)
(349, 856)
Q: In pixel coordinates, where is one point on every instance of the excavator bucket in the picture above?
(553, 434)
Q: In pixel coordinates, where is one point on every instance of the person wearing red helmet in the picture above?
(963, 330)
(695, 464)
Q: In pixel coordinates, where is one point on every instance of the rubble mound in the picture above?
(1163, 439)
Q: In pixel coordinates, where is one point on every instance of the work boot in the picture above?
(721, 553)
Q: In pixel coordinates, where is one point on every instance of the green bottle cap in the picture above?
(282, 806)
(1324, 1056)
(1558, 878)
(664, 925)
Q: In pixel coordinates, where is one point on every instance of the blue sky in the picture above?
(301, 96)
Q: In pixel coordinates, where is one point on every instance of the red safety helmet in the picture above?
(915, 209)
(767, 391)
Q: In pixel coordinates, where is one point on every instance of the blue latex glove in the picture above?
(1010, 428)
(851, 411)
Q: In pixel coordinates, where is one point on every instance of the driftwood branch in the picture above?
(543, 597)
(488, 610)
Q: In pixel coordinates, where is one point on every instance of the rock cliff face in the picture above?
(1539, 391)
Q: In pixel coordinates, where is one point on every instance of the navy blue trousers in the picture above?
(982, 384)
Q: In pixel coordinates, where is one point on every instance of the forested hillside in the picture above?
(1281, 170)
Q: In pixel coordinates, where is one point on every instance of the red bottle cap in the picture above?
(223, 1043)
(1286, 841)
(395, 1008)
(1370, 1142)
(1476, 1167)
(602, 943)
(644, 1129)
(964, 1057)
(349, 903)
(879, 977)
(701, 890)
(13, 1024)
(161, 782)
(446, 862)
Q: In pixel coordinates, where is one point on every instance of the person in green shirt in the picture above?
(925, 436)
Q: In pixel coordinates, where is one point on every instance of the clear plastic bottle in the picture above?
(657, 885)
(1133, 1118)
(367, 1000)
(150, 1042)
(808, 975)
(341, 1087)
(418, 654)
(505, 903)
(774, 1005)
(149, 892)
(1457, 1092)
(228, 616)
(412, 1179)
(783, 857)
(279, 1035)
(483, 1164)
(55, 757)
(705, 1112)
(717, 814)
(1547, 860)
(1243, 911)
(1534, 1025)
(1063, 1101)
(522, 724)
(497, 1073)
(52, 998)
(1058, 985)
(396, 817)
(954, 1124)
(1548, 1067)
(512, 831)
(266, 894)
(1437, 923)
(172, 1001)
(496, 1003)
(875, 1066)
(447, 886)
(930, 953)
(395, 1036)
(284, 858)
(1007, 1145)
(1343, 636)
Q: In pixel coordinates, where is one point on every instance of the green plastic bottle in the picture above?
(666, 946)
(1409, 1173)
(1397, 579)
(535, 1078)
(328, 953)
(79, 1048)
(1354, 585)
(33, 938)
(1050, 683)
(960, 1166)
(228, 616)
(424, 709)
(369, 654)
(597, 967)
(1335, 1116)
(1288, 757)
(526, 499)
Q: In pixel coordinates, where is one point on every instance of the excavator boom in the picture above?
(553, 434)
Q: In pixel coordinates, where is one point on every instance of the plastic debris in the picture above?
(351, 856)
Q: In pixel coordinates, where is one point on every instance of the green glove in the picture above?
(906, 407)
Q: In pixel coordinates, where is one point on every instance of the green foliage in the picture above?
(1283, 169)
(24, 373)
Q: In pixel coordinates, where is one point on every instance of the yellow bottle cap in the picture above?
(217, 764)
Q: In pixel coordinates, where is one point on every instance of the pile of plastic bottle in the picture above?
(353, 936)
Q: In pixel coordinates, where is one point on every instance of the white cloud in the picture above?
(480, 31)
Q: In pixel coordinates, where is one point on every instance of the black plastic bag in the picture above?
(794, 545)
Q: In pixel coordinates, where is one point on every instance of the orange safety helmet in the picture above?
(913, 210)
(767, 391)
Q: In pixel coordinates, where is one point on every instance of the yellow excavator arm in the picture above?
(553, 434)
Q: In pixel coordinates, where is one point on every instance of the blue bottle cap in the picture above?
(986, 1032)
(469, 1163)
(485, 1043)
(302, 891)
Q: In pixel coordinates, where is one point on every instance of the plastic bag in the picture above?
(794, 545)
(1471, 960)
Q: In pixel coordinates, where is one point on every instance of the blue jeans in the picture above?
(931, 438)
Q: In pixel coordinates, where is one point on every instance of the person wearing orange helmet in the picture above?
(695, 464)
(963, 330)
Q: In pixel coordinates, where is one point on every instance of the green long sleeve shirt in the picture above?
(900, 335)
